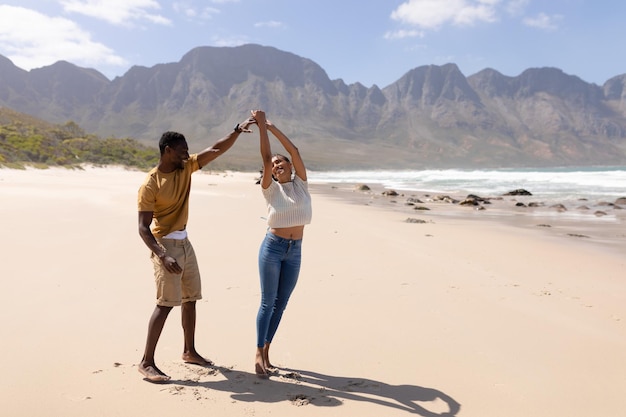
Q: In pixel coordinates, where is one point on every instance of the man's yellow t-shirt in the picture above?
(167, 196)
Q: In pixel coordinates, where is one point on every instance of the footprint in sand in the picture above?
(300, 399)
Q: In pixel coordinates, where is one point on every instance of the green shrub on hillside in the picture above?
(68, 145)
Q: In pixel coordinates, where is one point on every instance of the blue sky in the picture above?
(366, 41)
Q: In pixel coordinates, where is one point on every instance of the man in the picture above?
(164, 199)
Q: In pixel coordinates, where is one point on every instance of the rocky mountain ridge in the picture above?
(432, 117)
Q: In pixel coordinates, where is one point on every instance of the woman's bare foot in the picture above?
(196, 359)
(266, 357)
(152, 373)
(259, 367)
(260, 372)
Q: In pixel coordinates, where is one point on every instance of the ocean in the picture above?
(595, 184)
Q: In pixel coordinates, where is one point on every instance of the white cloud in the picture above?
(269, 24)
(32, 40)
(431, 14)
(208, 13)
(543, 21)
(516, 7)
(117, 12)
(191, 11)
(401, 34)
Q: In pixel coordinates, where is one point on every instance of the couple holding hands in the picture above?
(163, 205)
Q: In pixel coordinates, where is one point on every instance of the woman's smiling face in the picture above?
(281, 168)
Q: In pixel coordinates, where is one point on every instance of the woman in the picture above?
(285, 188)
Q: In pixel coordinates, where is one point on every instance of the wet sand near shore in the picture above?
(597, 223)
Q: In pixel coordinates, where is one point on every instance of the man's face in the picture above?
(179, 154)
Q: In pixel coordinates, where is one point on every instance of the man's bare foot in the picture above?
(196, 359)
(152, 373)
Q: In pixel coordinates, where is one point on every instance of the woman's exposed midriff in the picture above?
(294, 232)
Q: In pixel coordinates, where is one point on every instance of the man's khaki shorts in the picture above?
(175, 289)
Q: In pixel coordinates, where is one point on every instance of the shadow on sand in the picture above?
(302, 387)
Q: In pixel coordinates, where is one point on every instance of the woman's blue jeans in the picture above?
(279, 267)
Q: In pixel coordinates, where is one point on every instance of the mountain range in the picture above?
(432, 117)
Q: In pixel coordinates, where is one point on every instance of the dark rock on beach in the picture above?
(474, 200)
(519, 191)
(414, 200)
(390, 193)
(445, 199)
(559, 207)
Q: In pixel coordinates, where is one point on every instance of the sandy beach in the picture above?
(457, 312)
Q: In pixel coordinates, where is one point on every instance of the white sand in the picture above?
(500, 317)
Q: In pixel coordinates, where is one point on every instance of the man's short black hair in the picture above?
(170, 139)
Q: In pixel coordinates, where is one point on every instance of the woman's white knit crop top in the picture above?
(288, 204)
